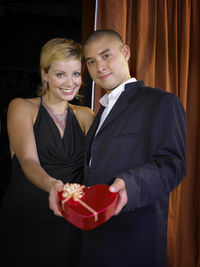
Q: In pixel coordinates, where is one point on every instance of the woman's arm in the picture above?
(20, 122)
(85, 117)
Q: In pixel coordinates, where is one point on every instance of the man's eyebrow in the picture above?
(104, 51)
(101, 53)
(87, 58)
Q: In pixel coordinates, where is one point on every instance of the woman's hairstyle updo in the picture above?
(57, 49)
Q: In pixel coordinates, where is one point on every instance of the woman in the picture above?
(47, 142)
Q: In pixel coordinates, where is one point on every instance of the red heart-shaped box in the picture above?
(98, 198)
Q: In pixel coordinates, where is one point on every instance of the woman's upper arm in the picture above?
(87, 118)
(20, 129)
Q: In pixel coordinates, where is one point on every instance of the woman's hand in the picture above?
(53, 197)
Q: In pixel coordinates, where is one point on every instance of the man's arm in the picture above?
(165, 168)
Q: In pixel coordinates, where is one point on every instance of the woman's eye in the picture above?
(77, 74)
(60, 75)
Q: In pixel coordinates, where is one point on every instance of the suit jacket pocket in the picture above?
(128, 140)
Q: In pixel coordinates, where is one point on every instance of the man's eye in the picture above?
(91, 62)
(106, 55)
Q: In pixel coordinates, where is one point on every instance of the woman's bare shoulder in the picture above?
(84, 115)
(24, 102)
(83, 111)
(24, 106)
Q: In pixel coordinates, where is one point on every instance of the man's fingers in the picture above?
(117, 185)
(121, 201)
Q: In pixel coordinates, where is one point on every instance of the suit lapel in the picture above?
(119, 106)
(122, 102)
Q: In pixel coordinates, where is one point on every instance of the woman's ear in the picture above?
(126, 52)
(43, 74)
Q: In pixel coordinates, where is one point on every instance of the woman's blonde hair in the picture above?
(57, 49)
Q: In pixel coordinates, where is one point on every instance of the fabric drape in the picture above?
(164, 37)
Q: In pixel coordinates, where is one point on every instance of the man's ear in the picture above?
(126, 52)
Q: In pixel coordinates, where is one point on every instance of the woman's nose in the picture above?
(69, 82)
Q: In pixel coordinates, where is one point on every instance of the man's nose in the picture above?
(100, 66)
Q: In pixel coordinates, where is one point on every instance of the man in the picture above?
(137, 146)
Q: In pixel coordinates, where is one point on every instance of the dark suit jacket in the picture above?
(141, 141)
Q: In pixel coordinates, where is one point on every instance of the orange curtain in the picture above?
(164, 37)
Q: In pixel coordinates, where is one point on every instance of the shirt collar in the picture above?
(115, 93)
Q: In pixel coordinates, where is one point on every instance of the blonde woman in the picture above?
(47, 143)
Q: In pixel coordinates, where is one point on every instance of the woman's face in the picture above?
(64, 79)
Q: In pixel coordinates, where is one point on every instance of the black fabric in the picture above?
(143, 142)
(30, 234)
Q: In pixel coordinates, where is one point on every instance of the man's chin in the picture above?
(106, 86)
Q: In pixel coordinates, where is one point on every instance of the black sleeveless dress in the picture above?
(30, 234)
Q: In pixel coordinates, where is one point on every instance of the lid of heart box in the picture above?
(94, 206)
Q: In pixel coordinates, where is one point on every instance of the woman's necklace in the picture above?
(59, 119)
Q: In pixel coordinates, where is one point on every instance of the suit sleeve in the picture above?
(165, 168)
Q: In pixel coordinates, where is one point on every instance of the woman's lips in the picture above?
(67, 91)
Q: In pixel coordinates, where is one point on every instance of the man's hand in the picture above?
(119, 186)
(53, 197)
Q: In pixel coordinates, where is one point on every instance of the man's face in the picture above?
(107, 62)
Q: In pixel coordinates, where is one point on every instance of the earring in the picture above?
(46, 89)
(46, 86)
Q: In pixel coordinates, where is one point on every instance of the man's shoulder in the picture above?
(140, 91)
(164, 98)
(152, 90)
(156, 92)
(142, 88)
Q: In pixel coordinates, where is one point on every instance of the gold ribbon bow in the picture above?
(75, 191)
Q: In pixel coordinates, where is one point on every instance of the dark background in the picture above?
(25, 26)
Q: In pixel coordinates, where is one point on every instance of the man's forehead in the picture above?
(101, 45)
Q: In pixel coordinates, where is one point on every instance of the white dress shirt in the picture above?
(108, 100)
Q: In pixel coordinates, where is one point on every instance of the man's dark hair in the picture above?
(101, 33)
